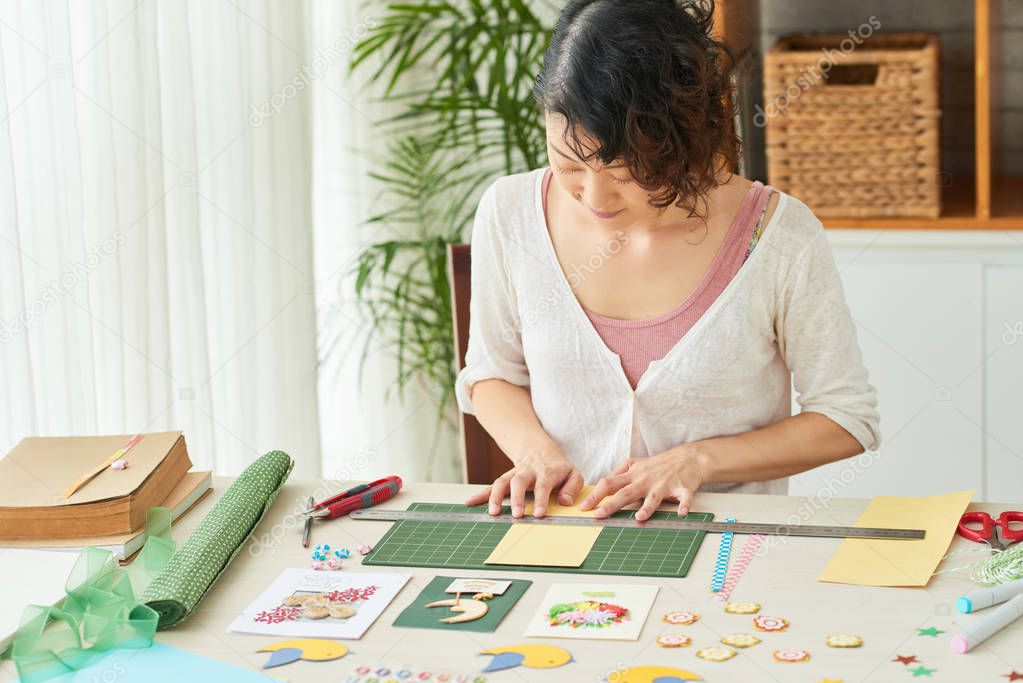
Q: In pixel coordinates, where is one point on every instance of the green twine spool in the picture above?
(1001, 567)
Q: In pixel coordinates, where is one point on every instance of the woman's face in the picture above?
(608, 193)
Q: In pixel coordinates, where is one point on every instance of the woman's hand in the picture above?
(542, 472)
(674, 474)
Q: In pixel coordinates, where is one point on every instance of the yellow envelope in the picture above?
(868, 562)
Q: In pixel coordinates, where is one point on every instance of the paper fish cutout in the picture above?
(309, 649)
(528, 655)
(654, 674)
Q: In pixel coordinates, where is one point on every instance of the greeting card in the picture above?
(480, 608)
(597, 611)
(316, 604)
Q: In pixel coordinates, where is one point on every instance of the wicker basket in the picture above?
(855, 132)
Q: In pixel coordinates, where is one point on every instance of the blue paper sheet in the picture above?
(160, 664)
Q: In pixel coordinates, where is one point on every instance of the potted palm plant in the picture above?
(462, 73)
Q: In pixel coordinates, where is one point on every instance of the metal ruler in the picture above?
(626, 523)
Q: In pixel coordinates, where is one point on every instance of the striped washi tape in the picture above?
(721, 564)
(742, 560)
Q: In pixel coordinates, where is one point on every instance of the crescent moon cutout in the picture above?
(471, 609)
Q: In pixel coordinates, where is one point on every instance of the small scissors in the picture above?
(997, 532)
(361, 496)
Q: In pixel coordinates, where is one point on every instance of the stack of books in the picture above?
(67, 493)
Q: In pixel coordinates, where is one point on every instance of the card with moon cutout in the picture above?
(593, 611)
(436, 607)
(318, 604)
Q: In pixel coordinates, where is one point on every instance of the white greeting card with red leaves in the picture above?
(320, 604)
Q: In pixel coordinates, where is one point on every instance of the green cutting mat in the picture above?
(465, 545)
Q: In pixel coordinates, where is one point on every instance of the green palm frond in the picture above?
(471, 121)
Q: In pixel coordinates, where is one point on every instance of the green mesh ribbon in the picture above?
(190, 572)
(99, 611)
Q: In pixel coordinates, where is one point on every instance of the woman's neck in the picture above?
(674, 217)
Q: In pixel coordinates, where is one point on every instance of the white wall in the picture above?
(940, 320)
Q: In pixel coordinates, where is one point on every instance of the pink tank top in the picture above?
(639, 342)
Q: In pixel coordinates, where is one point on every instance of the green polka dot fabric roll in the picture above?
(197, 564)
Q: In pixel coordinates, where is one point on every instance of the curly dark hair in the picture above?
(648, 81)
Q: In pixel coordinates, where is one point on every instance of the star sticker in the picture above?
(904, 659)
(932, 632)
(1013, 676)
(921, 671)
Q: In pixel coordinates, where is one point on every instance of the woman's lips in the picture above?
(606, 214)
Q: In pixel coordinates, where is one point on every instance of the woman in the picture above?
(639, 313)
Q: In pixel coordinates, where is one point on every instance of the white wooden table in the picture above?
(783, 581)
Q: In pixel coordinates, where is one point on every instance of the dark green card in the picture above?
(418, 615)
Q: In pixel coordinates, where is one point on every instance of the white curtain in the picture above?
(367, 430)
(156, 265)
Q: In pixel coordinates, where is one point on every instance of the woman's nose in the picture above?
(597, 195)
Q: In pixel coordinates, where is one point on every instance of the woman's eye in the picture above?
(576, 170)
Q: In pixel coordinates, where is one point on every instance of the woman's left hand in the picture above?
(673, 474)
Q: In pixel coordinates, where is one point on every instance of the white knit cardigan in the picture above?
(782, 320)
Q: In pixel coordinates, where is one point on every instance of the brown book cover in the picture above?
(189, 491)
(39, 469)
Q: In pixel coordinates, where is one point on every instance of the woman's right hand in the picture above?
(540, 473)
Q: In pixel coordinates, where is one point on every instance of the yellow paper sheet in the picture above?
(892, 562)
(556, 509)
(548, 546)
(545, 546)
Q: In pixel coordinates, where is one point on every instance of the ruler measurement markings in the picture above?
(628, 523)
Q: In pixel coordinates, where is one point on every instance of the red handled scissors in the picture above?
(998, 532)
(361, 496)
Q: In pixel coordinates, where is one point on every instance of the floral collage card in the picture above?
(593, 610)
(317, 604)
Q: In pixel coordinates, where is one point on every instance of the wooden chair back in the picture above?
(483, 461)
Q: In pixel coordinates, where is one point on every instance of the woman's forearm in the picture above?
(506, 411)
(787, 447)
